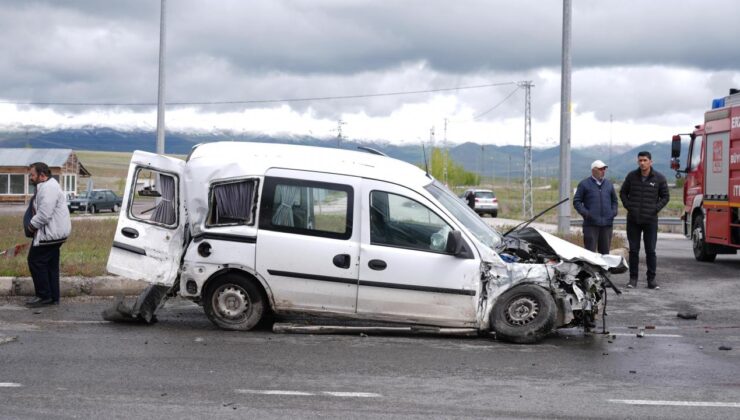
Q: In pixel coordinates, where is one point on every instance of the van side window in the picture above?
(232, 203)
(402, 222)
(307, 207)
(154, 198)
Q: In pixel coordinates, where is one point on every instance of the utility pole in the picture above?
(482, 163)
(527, 202)
(447, 153)
(340, 123)
(609, 162)
(161, 90)
(431, 151)
(565, 110)
(508, 176)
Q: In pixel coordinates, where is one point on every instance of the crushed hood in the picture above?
(570, 252)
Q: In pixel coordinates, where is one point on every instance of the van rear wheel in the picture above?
(234, 303)
(524, 314)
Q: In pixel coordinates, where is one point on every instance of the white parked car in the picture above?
(249, 230)
(485, 201)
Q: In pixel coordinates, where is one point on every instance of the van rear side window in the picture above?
(155, 198)
(307, 207)
(232, 203)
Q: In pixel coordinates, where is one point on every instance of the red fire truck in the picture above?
(711, 192)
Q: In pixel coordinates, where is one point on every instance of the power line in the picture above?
(497, 105)
(263, 101)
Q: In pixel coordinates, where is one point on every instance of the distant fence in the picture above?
(668, 221)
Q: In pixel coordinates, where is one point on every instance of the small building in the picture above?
(14, 183)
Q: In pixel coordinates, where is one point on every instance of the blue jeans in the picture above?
(649, 233)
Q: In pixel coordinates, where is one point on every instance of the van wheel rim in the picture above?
(522, 311)
(231, 302)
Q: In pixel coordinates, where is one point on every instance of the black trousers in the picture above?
(43, 262)
(649, 233)
(597, 238)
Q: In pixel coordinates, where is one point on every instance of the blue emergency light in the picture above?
(718, 103)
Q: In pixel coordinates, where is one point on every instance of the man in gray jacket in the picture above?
(49, 223)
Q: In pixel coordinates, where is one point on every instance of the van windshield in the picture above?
(465, 215)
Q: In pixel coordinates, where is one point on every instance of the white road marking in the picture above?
(649, 335)
(353, 394)
(308, 394)
(679, 403)
(272, 392)
(9, 385)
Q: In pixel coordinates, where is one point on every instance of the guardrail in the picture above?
(669, 221)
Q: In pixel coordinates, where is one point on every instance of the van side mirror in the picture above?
(676, 146)
(457, 246)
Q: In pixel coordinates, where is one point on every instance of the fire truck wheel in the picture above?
(701, 249)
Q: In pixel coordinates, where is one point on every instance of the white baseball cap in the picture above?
(599, 164)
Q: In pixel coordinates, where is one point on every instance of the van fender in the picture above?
(245, 272)
(497, 280)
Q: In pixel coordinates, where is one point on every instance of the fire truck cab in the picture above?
(711, 190)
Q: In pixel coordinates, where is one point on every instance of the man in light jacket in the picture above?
(47, 220)
(596, 200)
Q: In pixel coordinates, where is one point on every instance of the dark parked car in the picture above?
(94, 201)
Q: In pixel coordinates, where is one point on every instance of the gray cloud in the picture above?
(94, 51)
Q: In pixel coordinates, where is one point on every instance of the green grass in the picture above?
(545, 193)
(84, 254)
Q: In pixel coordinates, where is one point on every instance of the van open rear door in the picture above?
(148, 243)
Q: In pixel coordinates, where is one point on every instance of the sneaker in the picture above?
(632, 284)
(653, 286)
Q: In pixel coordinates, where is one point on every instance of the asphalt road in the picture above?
(66, 362)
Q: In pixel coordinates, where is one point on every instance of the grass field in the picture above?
(546, 195)
(84, 254)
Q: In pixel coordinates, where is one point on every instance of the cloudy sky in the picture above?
(653, 66)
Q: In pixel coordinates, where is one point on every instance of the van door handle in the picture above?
(130, 232)
(378, 265)
(342, 260)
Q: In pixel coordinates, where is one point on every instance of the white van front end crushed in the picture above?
(574, 279)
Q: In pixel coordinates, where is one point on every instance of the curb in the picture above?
(76, 286)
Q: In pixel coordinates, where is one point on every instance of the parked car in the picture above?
(250, 230)
(485, 201)
(94, 201)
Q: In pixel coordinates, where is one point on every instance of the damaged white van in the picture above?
(253, 230)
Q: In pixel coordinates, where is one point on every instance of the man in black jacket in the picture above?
(644, 193)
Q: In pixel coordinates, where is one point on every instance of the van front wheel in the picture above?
(234, 303)
(524, 314)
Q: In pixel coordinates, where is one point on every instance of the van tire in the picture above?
(234, 303)
(524, 314)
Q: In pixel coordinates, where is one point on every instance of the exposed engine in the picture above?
(578, 284)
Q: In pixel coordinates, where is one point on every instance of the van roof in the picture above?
(233, 159)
